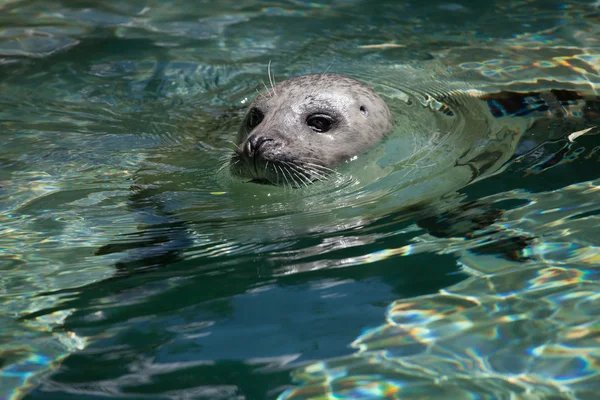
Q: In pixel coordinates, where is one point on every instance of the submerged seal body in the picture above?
(441, 135)
(301, 129)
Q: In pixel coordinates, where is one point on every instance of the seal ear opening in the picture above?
(364, 111)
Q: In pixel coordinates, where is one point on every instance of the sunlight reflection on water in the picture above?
(89, 93)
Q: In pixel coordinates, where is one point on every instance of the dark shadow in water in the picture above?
(212, 289)
(568, 162)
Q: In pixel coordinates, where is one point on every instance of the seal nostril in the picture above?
(254, 143)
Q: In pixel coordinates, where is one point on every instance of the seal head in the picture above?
(298, 131)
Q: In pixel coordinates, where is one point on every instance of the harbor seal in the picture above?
(448, 133)
(299, 130)
(430, 141)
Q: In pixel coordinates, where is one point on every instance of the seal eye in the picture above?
(254, 118)
(320, 122)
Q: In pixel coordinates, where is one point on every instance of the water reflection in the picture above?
(512, 327)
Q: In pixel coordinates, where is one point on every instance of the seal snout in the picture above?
(254, 144)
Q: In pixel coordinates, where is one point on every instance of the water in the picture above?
(132, 268)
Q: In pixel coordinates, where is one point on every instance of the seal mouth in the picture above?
(277, 171)
(262, 181)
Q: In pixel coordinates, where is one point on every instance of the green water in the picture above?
(132, 267)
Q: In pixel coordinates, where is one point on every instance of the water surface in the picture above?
(202, 287)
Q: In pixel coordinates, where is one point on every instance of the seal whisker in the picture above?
(235, 145)
(277, 167)
(300, 179)
(228, 161)
(266, 88)
(321, 167)
(285, 168)
(313, 171)
(316, 176)
(271, 79)
(225, 165)
(327, 69)
(283, 173)
(324, 172)
(279, 180)
(228, 155)
(277, 174)
(285, 177)
(313, 174)
(259, 93)
(299, 172)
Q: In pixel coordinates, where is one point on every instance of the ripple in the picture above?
(114, 117)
